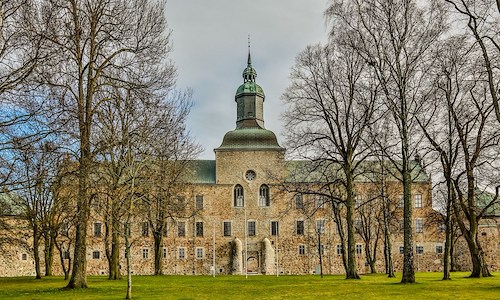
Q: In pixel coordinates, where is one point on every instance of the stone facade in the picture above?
(248, 221)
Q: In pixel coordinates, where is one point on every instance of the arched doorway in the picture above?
(253, 264)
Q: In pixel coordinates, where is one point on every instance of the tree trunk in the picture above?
(447, 243)
(158, 239)
(114, 270)
(351, 242)
(129, 267)
(408, 257)
(36, 253)
(49, 253)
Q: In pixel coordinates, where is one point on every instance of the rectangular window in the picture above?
(199, 229)
(420, 249)
(97, 229)
(302, 249)
(299, 201)
(164, 230)
(359, 249)
(439, 249)
(145, 229)
(359, 201)
(182, 253)
(358, 224)
(401, 250)
(181, 202)
(199, 202)
(274, 228)
(65, 254)
(442, 227)
(64, 229)
(320, 202)
(181, 229)
(418, 201)
(419, 225)
(299, 227)
(24, 256)
(96, 254)
(145, 253)
(320, 226)
(251, 228)
(227, 228)
(322, 249)
(126, 229)
(339, 249)
(199, 253)
(165, 253)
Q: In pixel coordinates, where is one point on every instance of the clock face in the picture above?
(250, 175)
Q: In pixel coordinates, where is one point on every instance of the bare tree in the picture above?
(93, 45)
(332, 103)
(394, 37)
(481, 18)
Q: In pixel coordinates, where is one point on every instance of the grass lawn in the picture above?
(428, 286)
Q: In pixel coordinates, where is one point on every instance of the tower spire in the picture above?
(249, 73)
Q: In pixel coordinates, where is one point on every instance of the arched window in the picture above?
(264, 195)
(239, 200)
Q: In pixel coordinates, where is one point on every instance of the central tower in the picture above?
(249, 147)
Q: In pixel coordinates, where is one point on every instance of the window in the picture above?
(418, 201)
(419, 225)
(299, 201)
(251, 228)
(182, 253)
(339, 249)
(442, 227)
(181, 229)
(96, 254)
(359, 249)
(439, 249)
(322, 249)
(299, 227)
(165, 253)
(181, 202)
(359, 201)
(199, 229)
(264, 195)
(227, 228)
(64, 228)
(126, 229)
(320, 226)
(401, 250)
(164, 230)
(302, 249)
(199, 202)
(24, 256)
(145, 253)
(65, 254)
(420, 249)
(274, 228)
(358, 224)
(320, 203)
(145, 229)
(199, 253)
(239, 200)
(97, 229)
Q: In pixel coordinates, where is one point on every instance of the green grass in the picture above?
(428, 286)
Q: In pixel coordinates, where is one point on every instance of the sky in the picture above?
(210, 48)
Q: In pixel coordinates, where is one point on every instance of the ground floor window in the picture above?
(339, 249)
(227, 228)
(199, 253)
(439, 249)
(145, 253)
(302, 249)
(182, 253)
(165, 253)
(359, 249)
(24, 256)
(420, 249)
(96, 254)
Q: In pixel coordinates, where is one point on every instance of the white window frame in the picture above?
(200, 252)
(417, 200)
(181, 253)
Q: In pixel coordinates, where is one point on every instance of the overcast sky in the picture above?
(210, 51)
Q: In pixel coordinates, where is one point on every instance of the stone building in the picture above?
(255, 214)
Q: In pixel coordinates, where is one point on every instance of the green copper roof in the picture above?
(249, 85)
(200, 171)
(255, 138)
